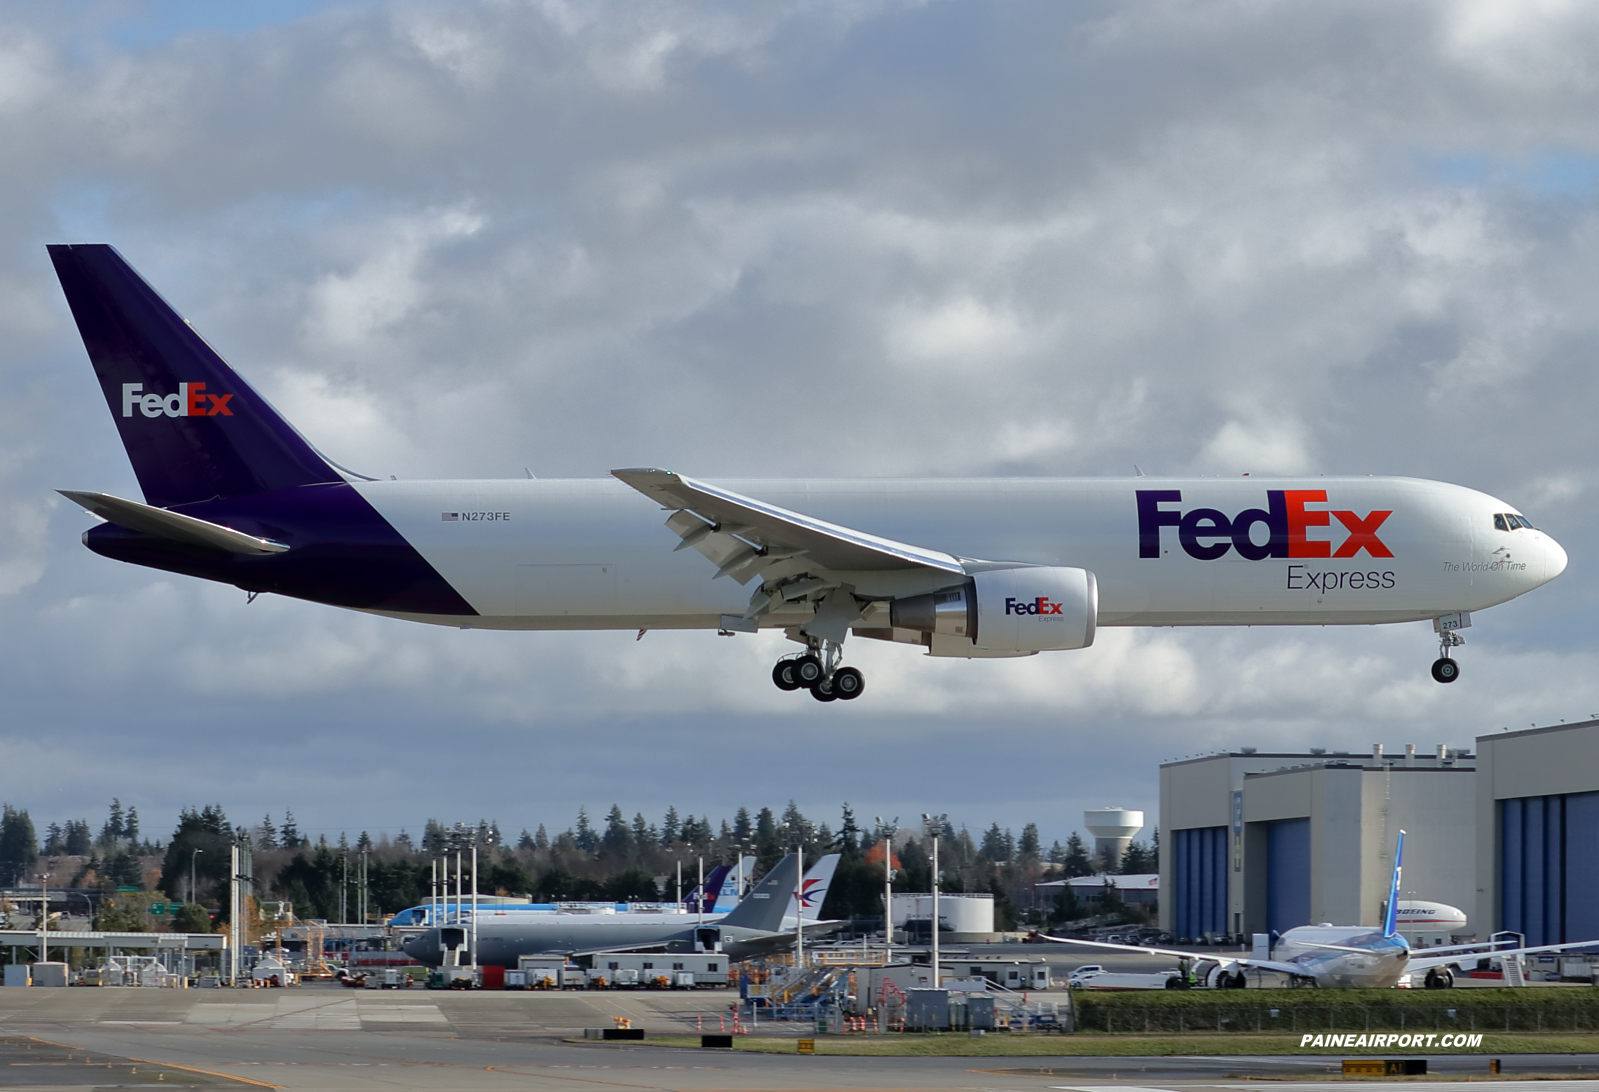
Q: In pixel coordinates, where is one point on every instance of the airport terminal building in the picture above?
(1258, 843)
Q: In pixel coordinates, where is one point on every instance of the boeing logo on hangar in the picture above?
(1208, 533)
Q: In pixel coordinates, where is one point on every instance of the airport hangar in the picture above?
(1256, 842)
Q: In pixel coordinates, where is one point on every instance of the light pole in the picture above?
(889, 830)
(934, 826)
(192, 856)
(44, 916)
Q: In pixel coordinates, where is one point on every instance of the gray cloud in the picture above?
(854, 240)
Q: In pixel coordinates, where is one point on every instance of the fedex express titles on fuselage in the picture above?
(962, 568)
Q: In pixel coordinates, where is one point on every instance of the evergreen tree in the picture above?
(1067, 906)
(1004, 906)
(642, 835)
(266, 835)
(208, 831)
(1077, 861)
(617, 839)
(525, 841)
(113, 828)
(585, 837)
(19, 847)
(1154, 851)
(1028, 848)
(1057, 853)
(1136, 861)
(78, 840)
(290, 837)
(364, 842)
(993, 847)
(55, 842)
(671, 827)
(403, 840)
(130, 825)
(848, 842)
(541, 840)
(742, 830)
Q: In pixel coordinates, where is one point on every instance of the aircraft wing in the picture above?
(745, 536)
(1172, 953)
(1423, 962)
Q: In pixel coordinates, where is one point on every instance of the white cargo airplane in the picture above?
(965, 568)
(1340, 956)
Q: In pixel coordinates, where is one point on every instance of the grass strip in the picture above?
(1092, 1045)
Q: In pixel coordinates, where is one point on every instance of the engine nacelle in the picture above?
(1035, 608)
(1026, 609)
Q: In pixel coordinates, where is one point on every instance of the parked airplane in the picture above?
(1341, 956)
(445, 909)
(754, 925)
(967, 568)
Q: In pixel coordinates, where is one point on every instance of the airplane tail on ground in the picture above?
(699, 900)
(763, 908)
(730, 894)
(813, 890)
(194, 430)
(1390, 921)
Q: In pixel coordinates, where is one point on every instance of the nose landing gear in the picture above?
(1445, 669)
(820, 674)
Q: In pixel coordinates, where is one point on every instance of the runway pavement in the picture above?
(338, 1040)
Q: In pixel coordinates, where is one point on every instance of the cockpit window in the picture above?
(1499, 522)
(1509, 521)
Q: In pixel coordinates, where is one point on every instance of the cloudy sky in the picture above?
(768, 239)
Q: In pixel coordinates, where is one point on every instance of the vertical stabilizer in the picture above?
(702, 899)
(813, 889)
(763, 908)
(1390, 921)
(192, 428)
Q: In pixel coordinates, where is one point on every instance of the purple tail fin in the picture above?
(192, 428)
(703, 898)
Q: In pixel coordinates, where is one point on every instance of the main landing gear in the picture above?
(817, 670)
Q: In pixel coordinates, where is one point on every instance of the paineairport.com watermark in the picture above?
(1428, 1040)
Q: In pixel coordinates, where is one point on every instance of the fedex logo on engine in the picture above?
(190, 401)
(1206, 533)
(1041, 605)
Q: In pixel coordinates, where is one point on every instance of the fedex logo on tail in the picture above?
(1207, 533)
(1041, 605)
(190, 401)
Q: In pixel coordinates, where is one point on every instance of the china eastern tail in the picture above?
(971, 568)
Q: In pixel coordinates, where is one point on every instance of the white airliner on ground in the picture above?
(1341, 956)
(966, 568)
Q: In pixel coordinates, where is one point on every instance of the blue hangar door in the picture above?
(1287, 874)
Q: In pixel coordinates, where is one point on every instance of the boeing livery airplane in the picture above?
(966, 568)
(1344, 956)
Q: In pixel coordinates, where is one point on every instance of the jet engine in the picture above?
(1026, 609)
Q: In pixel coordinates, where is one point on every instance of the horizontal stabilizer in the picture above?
(163, 524)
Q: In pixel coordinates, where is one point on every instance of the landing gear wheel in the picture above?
(783, 675)
(848, 683)
(807, 670)
(823, 691)
(1445, 670)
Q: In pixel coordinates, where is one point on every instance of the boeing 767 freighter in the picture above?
(957, 567)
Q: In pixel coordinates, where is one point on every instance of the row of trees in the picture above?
(616, 858)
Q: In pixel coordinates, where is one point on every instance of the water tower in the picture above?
(1113, 830)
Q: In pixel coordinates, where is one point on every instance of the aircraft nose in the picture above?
(1554, 558)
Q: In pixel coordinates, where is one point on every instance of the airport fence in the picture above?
(1302, 1011)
